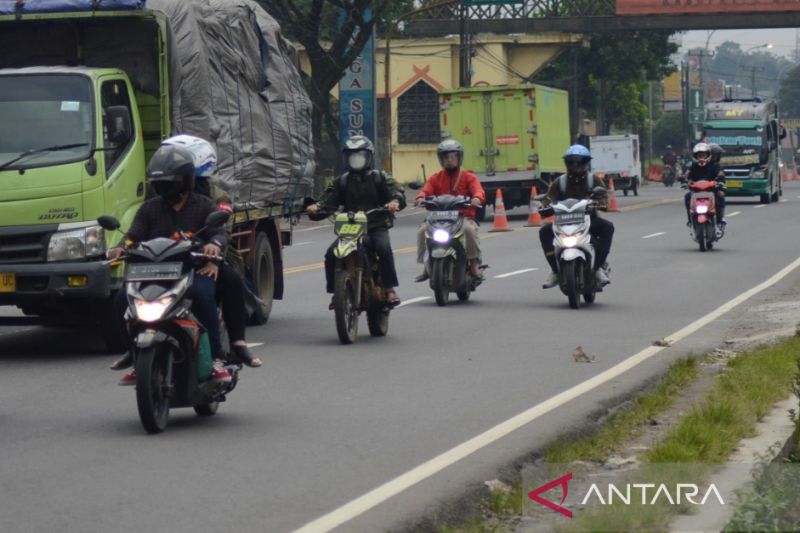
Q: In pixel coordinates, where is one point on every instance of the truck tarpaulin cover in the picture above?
(684, 7)
(234, 80)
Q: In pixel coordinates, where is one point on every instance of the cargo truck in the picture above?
(749, 133)
(88, 90)
(514, 136)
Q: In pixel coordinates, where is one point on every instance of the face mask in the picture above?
(357, 160)
(169, 191)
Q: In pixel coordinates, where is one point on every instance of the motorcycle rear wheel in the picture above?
(441, 291)
(151, 389)
(345, 307)
(571, 273)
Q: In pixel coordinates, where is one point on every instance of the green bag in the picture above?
(203, 358)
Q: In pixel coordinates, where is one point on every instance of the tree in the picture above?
(789, 94)
(331, 48)
(613, 74)
(743, 67)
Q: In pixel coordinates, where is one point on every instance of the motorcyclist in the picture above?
(670, 157)
(716, 154)
(705, 168)
(363, 188)
(578, 183)
(452, 179)
(178, 208)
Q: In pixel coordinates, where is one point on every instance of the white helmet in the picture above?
(203, 153)
(701, 153)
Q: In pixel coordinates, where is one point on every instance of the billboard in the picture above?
(684, 7)
(357, 93)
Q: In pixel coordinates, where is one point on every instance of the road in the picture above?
(321, 424)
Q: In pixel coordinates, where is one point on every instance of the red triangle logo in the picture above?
(560, 482)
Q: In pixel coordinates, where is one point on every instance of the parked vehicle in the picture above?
(513, 137)
(574, 249)
(167, 339)
(617, 158)
(704, 230)
(357, 282)
(749, 133)
(82, 135)
(445, 241)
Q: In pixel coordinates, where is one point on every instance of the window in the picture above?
(418, 115)
(114, 93)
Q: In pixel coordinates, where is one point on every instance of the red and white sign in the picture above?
(684, 7)
(507, 139)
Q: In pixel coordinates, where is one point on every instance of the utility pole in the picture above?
(575, 112)
(650, 121)
(753, 81)
(465, 48)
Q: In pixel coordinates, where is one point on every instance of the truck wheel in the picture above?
(636, 190)
(625, 192)
(765, 198)
(263, 277)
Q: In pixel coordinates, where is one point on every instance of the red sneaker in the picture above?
(220, 374)
(128, 379)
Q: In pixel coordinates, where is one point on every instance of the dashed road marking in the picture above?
(509, 274)
(415, 300)
(733, 214)
(654, 235)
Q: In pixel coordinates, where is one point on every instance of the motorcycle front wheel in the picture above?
(700, 233)
(206, 409)
(441, 291)
(345, 307)
(378, 319)
(572, 269)
(152, 388)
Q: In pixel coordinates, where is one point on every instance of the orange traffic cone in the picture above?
(500, 218)
(785, 173)
(534, 218)
(612, 200)
(795, 177)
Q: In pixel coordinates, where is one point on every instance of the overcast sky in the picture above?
(783, 39)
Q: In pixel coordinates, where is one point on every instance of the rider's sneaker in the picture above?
(220, 374)
(601, 277)
(551, 281)
(422, 277)
(723, 222)
(128, 379)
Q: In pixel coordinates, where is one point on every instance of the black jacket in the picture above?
(359, 191)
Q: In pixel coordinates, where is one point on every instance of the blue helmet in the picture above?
(578, 150)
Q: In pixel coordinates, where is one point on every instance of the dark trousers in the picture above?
(377, 242)
(719, 199)
(230, 288)
(602, 232)
(204, 306)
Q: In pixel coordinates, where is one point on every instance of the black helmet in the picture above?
(359, 153)
(450, 146)
(171, 172)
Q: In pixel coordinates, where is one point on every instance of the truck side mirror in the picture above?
(118, 122)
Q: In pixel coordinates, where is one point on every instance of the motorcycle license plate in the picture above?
(154, 272)
(734, 184)
(564, 219)
(8, 282)
(446, 214)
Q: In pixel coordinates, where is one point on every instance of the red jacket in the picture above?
(444, 183)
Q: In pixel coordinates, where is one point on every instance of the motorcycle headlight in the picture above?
(569, 241)
(151, 311)
(701, 209)
(77, 244)
(441, 236)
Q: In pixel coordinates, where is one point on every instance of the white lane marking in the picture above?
(733, 214)
(391, 488)
(326, 226)
(760, 206)
(302, 243)
(798, 196)
(784, 200)
(654, 235)
(509, 274)
(254, 344)
(415, 300)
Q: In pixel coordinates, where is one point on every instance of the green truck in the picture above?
(87, 94)
(514, 136)
(749, 133)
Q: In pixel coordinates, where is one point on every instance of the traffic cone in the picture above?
(795, 177)
(612, 200)
(534, 218)
(500, 218)
(785, 174)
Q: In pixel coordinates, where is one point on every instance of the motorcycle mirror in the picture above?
(217, 219)
(540, 197)
(415, 185)
(599, 191)
(108, 222)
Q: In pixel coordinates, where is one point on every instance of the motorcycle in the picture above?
(704, 229)
(357, 281)
(172, 358)
(574, 249)
(445, 241)
(668, 178)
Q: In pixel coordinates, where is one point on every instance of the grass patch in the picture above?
(625, 425)
(752, 384)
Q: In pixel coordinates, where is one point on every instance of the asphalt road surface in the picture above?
(308, 438)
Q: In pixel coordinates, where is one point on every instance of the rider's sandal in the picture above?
(242, 353)
(394, 300)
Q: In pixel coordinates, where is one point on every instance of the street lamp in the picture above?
(739, 59)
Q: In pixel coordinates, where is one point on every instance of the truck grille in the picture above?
(24, 245)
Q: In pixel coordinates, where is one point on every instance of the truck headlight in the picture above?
(77, 244)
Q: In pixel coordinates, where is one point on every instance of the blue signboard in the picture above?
(357, 94)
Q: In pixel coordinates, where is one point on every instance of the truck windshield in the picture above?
(41, 111)
(737, 140)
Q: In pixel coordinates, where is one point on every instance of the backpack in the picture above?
(562, 183)
(378, 180)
